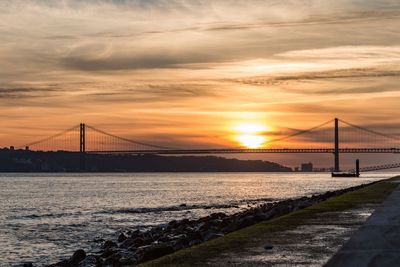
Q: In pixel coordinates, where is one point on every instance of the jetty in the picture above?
(325, 233)
(377, 241)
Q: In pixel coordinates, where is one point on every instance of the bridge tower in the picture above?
(82, 148)
(336, 152)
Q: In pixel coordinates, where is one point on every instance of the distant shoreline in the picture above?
(26, 161)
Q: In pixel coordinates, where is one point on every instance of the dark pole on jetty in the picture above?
(82, 148)
(358, 168)
(337, 167)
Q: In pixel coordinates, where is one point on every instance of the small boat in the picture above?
(345, 174)
(351, 173)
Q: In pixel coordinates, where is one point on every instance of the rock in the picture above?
(63, 263)
(246, 221)
(89, 261)
(178, 237)
(211, 235)
(109, 244)
(194, 242)
(146, 241)
(206, 225)
(268, 247)
(107, 253)
(183, 205)
(128, 261)
(115, 259)
(27, 264)
(194, 235)
(156, 252)
(77, 257)
(198, 226)
(111, 262)
(186, 222)
(98, 240)
(260, 216)
(134, 233)
(180, 244)
(225, 222)
(131, 242)
(122, 238)
(128, 257)
(172, 223)
(218, 215)
(233, 226)
(305, 203)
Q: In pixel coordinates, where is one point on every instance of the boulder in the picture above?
(185, 221)
(112, 260)
(107, 253)
(218, 215)
(109, 244)
(268, 247)
(77, 257)
(232, 226)
(122, 237)
(63, 263)
(172, 223)
(194, 242)
(89, 261)
(246, 221)
(128, 257)
(211, 235)
(128, 261)
(180, 244)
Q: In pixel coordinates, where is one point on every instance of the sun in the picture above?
(251, 140)
(250, 135)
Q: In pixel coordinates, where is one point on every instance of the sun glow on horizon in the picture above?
(250, 135)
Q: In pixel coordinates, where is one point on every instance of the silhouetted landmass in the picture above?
(31, 161)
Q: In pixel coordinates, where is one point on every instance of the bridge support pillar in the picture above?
(336, 153)
(82, 148)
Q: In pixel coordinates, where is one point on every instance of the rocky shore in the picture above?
(134, 247)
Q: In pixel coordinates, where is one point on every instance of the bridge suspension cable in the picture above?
(300, 132)
(114, 138)
(397, 138)
(52, 138)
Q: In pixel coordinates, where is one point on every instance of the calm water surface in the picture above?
(45, 217)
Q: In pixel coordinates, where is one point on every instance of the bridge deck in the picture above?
(245, 150)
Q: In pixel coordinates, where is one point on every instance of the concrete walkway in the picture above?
(377, 242)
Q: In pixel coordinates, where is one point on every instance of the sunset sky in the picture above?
(188, 72)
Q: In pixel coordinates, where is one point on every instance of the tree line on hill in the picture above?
(61, 161)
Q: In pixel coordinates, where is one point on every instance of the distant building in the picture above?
(307, 167)
(296, 169)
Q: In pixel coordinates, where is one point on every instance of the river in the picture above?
(44, 217)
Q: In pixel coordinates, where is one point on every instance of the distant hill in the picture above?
(30, 161)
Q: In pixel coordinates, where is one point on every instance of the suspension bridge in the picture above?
(334, 137)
